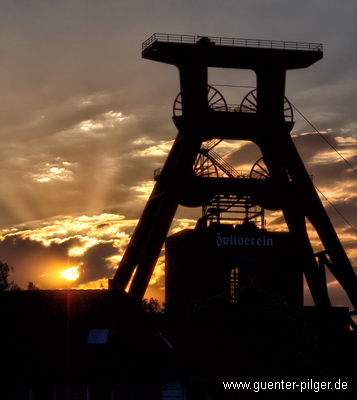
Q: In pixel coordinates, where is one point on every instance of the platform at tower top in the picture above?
(236, 42)
(231, 52)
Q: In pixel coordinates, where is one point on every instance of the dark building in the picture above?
(208, 261)
(88, 345)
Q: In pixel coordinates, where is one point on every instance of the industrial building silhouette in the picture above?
(193, 175)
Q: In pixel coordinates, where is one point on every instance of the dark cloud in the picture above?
(15, 247)
(95, 263)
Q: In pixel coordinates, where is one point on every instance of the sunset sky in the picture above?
(84, 121)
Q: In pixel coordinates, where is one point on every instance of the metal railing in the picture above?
(236, 42)
(222, 164)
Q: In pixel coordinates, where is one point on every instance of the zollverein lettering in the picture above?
(234, 240)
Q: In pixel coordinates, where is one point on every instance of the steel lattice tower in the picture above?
(203, 120)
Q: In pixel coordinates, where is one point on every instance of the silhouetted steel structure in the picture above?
(278, 181)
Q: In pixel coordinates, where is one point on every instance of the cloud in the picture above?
(39, 253)
(96, 263)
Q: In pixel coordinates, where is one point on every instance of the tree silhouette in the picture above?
(32, 286)
(5, 284)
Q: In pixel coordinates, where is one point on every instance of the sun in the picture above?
(71, 274)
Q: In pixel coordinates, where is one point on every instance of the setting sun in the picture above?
(71, 274)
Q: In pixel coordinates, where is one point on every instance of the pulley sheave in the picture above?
(215, 101)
